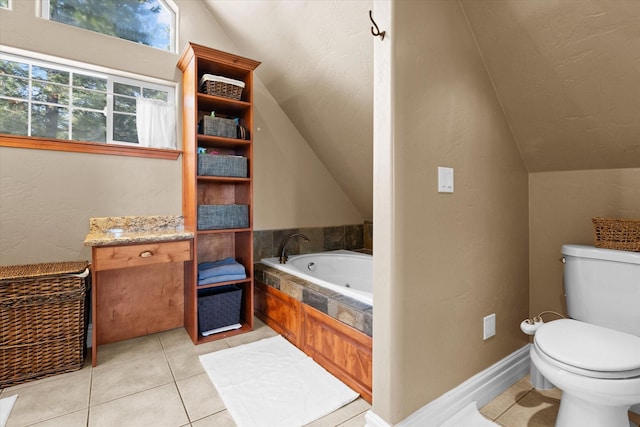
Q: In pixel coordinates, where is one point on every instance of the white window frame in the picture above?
(10, 6)
(111, 75)
(45, 13)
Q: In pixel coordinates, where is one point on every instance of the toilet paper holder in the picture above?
(530, 326)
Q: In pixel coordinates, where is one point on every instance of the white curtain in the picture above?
(156, 123)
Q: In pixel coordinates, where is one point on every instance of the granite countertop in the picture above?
(124, 230)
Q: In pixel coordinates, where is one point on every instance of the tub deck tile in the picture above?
(346, 309)
(291, 288)
(316, 300)
(352, 302)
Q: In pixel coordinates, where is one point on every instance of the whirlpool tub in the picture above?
(347, 272)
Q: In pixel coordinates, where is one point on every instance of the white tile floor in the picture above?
(158, 381)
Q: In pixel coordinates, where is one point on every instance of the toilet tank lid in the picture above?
(585, 251)
(588, 346)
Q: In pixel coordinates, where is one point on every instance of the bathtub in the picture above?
(347, 272)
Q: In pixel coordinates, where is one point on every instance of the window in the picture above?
(5, 4)
(49, 100)
(150, 22)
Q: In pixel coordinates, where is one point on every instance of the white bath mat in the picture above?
(271, 383)
(6, 405)
(468, 417)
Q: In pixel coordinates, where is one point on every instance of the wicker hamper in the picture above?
(617, 233)
(219, 307)
(43, 320)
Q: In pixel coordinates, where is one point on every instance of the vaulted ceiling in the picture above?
(567, 74)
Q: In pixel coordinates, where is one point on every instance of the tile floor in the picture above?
(154, 381)
(523, 406)
(158, 381)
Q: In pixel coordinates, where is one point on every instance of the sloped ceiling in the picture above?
(567, 73)
(317, 64)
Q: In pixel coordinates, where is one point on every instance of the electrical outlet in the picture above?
(489, 326)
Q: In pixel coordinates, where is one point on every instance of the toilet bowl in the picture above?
(597, 369)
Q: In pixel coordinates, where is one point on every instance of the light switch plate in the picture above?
(445, 180)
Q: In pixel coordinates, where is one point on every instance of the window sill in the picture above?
(17, 141)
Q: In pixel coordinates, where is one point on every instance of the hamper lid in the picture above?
(8, 272)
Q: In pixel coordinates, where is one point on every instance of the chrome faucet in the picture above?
(283, 255)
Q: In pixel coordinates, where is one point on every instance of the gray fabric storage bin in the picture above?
(213, 217)
(222, 165)
(217, 126)
(219, 307)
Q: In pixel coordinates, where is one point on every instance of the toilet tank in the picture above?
(602, 287)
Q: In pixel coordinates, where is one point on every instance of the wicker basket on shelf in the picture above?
(221, 86)
(43, 320)
(617, 233)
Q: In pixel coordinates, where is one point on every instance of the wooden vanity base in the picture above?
(137, 290)
(139, 301)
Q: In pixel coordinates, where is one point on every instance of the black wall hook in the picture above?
(377, 32)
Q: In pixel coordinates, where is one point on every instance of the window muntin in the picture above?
(43, 99)
(149, 22)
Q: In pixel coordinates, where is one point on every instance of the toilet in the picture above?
(594, 357)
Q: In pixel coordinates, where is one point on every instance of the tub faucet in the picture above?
(283, 255)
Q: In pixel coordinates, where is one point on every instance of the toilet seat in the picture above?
(589, 350)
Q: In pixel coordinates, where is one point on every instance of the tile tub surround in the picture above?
(343, 308)
(135, 229)
(368, 235)
(266, 243)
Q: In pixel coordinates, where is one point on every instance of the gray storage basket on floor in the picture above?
(214, 217)
(217, 126)
(219, 307)
(222, 165)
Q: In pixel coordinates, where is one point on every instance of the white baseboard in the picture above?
(374, 421)
(481, 388)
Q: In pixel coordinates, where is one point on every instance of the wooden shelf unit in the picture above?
(216, 244)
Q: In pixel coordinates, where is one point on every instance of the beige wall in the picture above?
(47, 198)
(453, 258)
(443, 261)
(561, 207)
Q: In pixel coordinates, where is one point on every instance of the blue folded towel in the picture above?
(223, 278)
(227, 266)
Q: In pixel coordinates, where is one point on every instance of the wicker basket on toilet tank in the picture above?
(617, 233)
